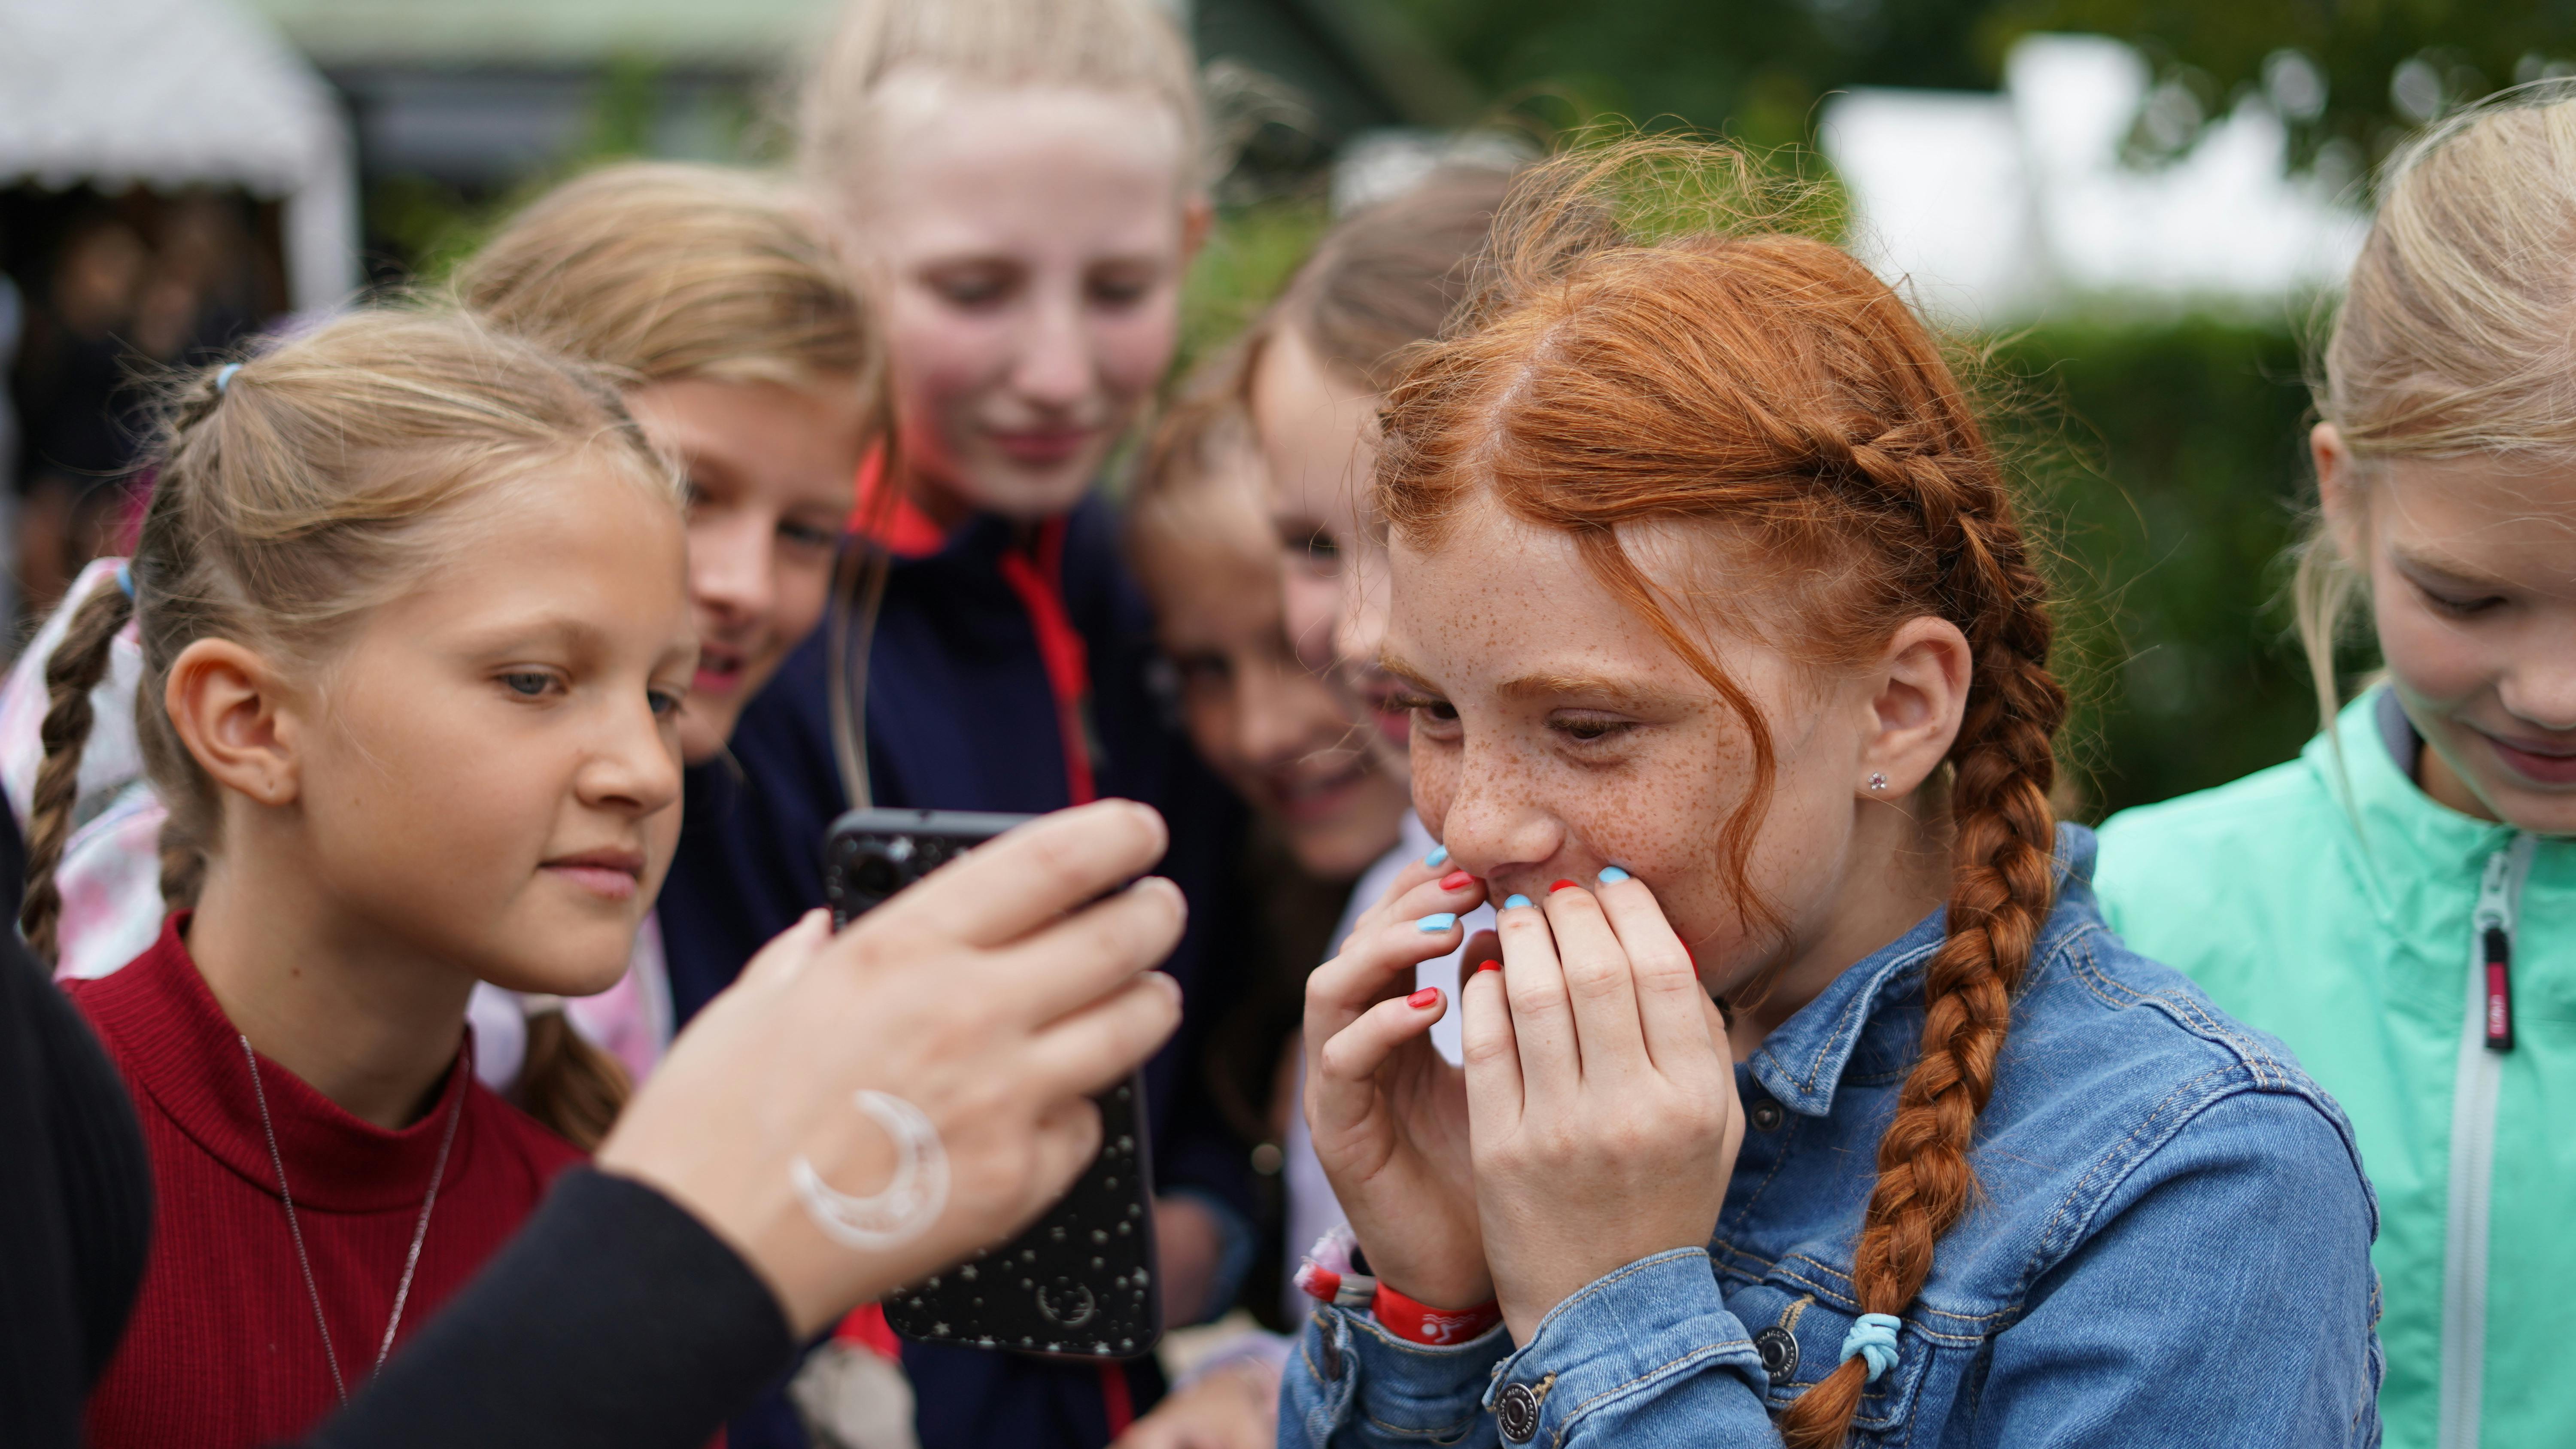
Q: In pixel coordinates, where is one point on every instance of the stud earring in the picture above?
(1877, 781)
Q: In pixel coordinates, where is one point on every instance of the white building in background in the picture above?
(2003, 208)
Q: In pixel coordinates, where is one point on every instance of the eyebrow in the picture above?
(2444, 570)
(1549, 684)
(534, 631)
(1545, 684)
(1395, 664)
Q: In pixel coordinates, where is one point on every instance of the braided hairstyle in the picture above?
(1742, 376)
(293, 492)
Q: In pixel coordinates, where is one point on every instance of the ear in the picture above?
(235, 714)
(1919, 694)
(1198, 217)
(2338, 491)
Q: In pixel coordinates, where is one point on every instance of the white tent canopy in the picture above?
(177, 93)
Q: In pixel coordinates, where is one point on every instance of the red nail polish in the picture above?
(1427, 996)
(1558, 886)
(1455, 880)
(1489, 965)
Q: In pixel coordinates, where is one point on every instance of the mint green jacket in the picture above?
(2359, 929)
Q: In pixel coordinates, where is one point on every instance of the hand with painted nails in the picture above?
(1603, 1115)
(1388, 1116)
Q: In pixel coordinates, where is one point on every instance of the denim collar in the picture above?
(1803, 1061)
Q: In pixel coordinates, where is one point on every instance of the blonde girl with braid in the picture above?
(2399, 901)
(747, 356)
(1806, 1098)
(413, 638)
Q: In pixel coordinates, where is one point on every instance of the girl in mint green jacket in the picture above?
(2399, 903)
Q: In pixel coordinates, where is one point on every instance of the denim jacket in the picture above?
(2170, 1245)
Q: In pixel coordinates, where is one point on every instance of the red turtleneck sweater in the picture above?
(222, 1351)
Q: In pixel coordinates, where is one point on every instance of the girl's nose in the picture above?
(730, 565)
(1053, 368)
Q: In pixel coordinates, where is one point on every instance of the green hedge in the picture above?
(2170, 461)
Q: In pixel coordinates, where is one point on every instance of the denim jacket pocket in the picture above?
(1798, 1326)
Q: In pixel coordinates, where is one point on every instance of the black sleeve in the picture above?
(613, 1318)
(75, 1206)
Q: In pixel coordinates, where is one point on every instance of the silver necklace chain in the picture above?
(419, 1234)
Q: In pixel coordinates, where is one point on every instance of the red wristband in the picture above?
(1421, 1323)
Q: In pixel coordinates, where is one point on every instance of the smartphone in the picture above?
(1080, 1282)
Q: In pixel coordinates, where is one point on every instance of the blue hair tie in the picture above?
(224, 376)
(1873, 1338)
(125, 579)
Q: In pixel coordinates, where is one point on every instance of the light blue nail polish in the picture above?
(1438, 857)
(1612, 875)
(1439, 922)
(1515, 900)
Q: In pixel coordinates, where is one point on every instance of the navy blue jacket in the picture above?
(961, 717)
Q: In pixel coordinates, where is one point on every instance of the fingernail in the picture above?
(1437, 921)
(1489, 965)
(1515, 899)
(1427, 996)
(1455, 880)
(1560, 886)
(1612, 875)
(1438, 857)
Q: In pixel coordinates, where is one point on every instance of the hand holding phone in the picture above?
(1079, 1283)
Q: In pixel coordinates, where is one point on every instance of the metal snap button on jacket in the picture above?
(1516, 1410)
(1766, 1116)
(1779, 1350)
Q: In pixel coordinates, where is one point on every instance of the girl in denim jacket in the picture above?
(1806, 1096)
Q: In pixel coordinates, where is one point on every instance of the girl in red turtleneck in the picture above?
(415, 633)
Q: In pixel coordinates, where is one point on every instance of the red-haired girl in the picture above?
(1806, 1096)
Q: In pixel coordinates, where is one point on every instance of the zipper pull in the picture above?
(2499, 954)
(2494, 923)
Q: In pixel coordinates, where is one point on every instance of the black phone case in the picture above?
(1079, 1282)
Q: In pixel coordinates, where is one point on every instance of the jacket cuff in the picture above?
(1350, 1374)
(1628, 1334)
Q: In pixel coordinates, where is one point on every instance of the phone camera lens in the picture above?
(877, 875)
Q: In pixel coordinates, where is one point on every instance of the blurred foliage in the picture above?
(1753, 68)
(2168, 465)
(1249, 255)
(2350, 75)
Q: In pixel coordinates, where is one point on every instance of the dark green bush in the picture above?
(2170, 462)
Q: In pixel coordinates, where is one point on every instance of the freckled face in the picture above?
(2473, 589)
(1554, 734)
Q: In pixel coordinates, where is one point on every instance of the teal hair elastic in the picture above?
(224, 375)
(1873, 1338)
(125, 579)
